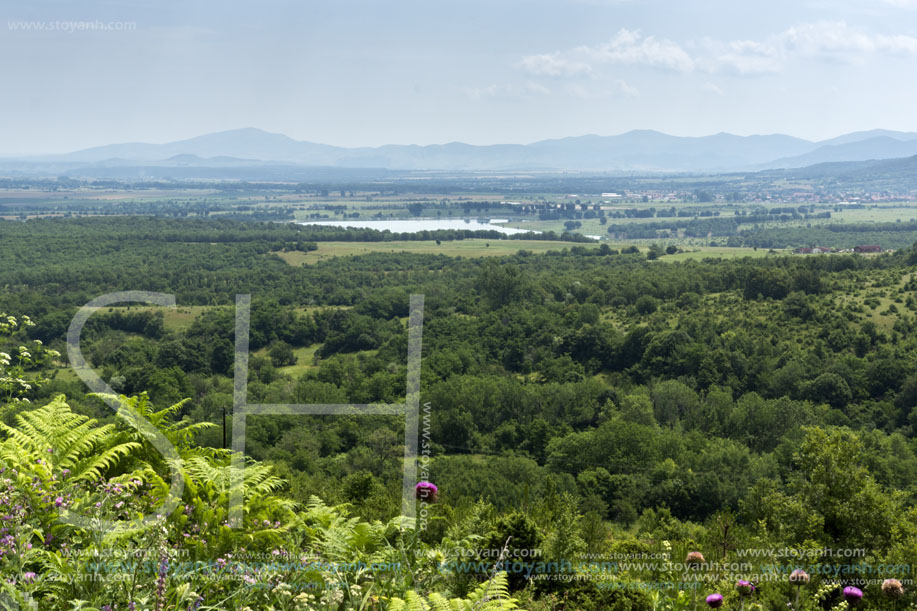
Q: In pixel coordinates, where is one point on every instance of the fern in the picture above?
(493, 595)
(54, 436)
(490, 596)
(180, 433)
(209, 493)
(412, 602)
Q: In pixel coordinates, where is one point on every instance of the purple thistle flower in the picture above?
(799, 577)
(426, 491)
(59, 501)
(715, 600)
(853, 595)
(745, 588)
(29, 577)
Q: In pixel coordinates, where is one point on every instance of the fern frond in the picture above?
(411, 602)
(96, 466)
(493, 595)
(66, 440)
(440, 603)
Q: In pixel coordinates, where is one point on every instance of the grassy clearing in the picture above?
(175, 319)
(877, 299)
(304, 360)
(458, 248)
(63, 374)
(877, 313)
(882, 214)
(718, 252)
(496, 248)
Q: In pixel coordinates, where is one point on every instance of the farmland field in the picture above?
(457, 248)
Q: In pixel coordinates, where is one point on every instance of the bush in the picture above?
(646, 304)
(281, 354)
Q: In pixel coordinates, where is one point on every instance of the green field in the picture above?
(719, 252)
(882, 214)
(304, 360)
(175, 319)
(458, 248)
(480, 248)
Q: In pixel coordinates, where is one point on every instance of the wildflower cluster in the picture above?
(15, 361)
(747, 590)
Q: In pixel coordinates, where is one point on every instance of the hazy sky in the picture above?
(369, 72)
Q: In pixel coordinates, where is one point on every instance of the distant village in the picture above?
(763, 196)
(817, 250)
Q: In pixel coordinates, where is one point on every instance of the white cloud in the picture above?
(627, 47)
(740, 57)
(507, 91)
(531, 88)
(712, 88)
(837, 40)
(617, 88)
(630, 47)
(832, 41)
(553, 64)
(626, 89)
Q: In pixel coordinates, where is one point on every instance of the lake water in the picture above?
(415, 225)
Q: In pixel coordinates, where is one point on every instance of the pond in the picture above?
(415, 225)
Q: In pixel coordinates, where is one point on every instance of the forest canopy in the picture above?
(583, 405)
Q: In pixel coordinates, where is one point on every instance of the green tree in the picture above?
(281, 354)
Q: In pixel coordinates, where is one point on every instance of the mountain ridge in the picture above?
(635, 150)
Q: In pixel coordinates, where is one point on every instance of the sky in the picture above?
(369, 72)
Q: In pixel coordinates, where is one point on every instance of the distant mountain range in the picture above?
(875, 174)
(251, 151)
